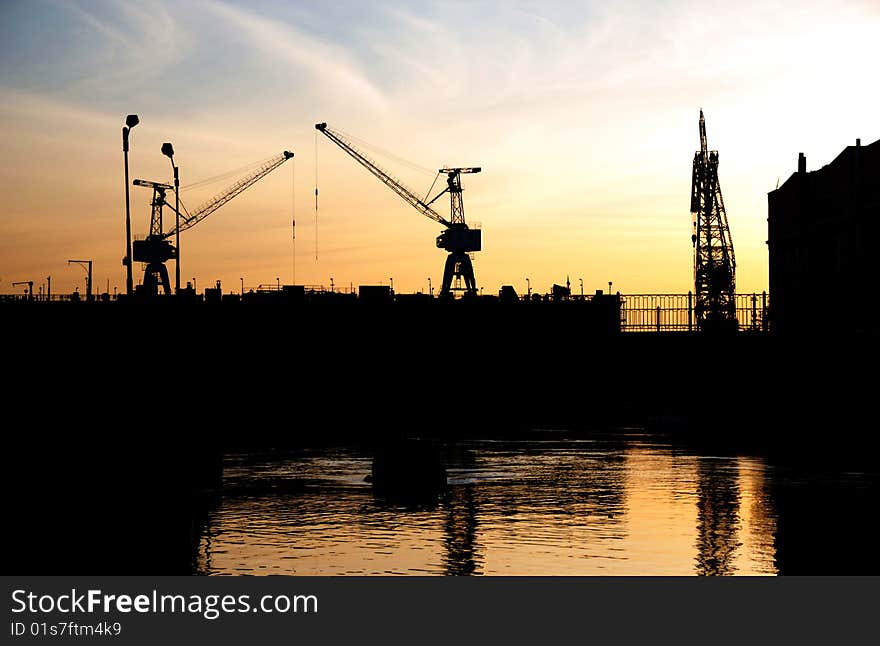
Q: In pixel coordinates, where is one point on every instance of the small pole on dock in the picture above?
(764, 311)
(754, 311)
(690, 311)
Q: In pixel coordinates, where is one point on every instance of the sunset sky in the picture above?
(583, 116)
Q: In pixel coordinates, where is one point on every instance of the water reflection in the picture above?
(602, 505)
(718, 504)
(460, 532)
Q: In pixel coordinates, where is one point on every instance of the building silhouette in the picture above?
(821, 231)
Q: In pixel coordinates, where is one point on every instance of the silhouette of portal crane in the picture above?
(156, 248)
(458, 239)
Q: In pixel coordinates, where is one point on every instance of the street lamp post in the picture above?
(332, 286)
(87, 265)
(278, 282)
(195, 289)
(168, 151)
(430, 287)
(529, 284)
(48, 288)
(130, 122)
(582, 286)
(242, 286)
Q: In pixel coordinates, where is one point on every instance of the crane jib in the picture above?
(382, 175)
(458, 239)
(206, 209)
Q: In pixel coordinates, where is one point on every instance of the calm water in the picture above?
(628, 504)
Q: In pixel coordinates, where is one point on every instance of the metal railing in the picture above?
(675, 312)
(638, 312)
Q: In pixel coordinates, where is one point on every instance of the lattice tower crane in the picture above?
(714, 262)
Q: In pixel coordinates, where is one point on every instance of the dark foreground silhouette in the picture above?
(124, 412)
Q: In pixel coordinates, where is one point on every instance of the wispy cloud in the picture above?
(139, 39)
(326, 66)
(582, 114)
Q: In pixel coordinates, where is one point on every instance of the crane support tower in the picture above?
(458, 238)
(156, 249)
(714, 262)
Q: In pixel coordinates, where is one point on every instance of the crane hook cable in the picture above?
(316, 195)
(293, 213)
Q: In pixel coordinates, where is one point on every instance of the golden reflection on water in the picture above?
(589, 507)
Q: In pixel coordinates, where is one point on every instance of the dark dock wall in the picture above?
(134, 376)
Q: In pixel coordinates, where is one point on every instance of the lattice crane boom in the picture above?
(382, 175)
(156, 249)
(458, 239)
(189, 220)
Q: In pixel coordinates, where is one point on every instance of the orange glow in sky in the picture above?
(583, 118)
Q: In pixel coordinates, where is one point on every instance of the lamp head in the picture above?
(168, 150)
(131, 121)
